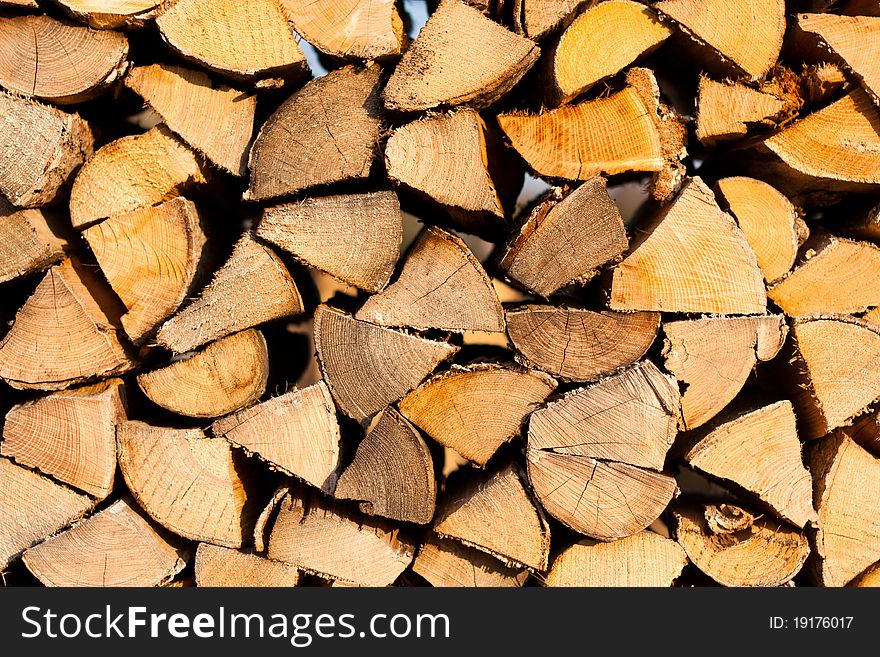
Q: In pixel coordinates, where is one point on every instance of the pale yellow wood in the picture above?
(222, 567)
(113, 14)
(728, 110)
(447, 563)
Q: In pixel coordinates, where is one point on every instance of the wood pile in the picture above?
(280, 320)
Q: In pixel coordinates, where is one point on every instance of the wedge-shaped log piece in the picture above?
(738, 548)
(32, 508)
(714, 356)
(631, 417)
(444, 157)
(69, 435)
(747, 34)
(847, 496)
(442, 285)
(40, 147)
(324, 133)
(187, 482)
(296, 433)
(643, 559)
(834, 371)
(223, 377)
(492, 512)
(240, 38)
(350, 29)
(113, 14)
(355, 238)
(567, 240)
(578, 344)
(220, 566)
(476, 409)
(760, 452)
(266, 518)
(29, 241)
(326, 538)
(217, 121)
(368, 367)
(856, 39)
(581, 57)
(693, 258)
(150, 257)
(871, 577)
(64, 334)
(251, 288)
(392, 474)
(538, 18)
(117, 547)
(448, 563)
(459, 57)
(767, 219)
(37, 55)
(838, 277)
(131, 173)
(728, 110)
(866, 432)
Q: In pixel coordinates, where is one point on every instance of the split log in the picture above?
(581, 56)
(767, 219)
(392, 474)
(266, 518)
(324, 133)
(251, 288)
(447, 563)
(150, 257)
(693, 258)
(351, 29)
(749, 39)
(643, 559)
(131, 173)
(323, 537)
(441, 286)
(69, 435)
(355, 238)
(847, 497)
(566, 240)
(64, 334)
(871, 577)
(577, 344)
(186, 482)
(29, 241)
(738, 548)
(538, 18)
(837, 277)
(223, 567)
(36, 54)
(296, 433)
(759, 451)
(28, 4)
(368, 367)
(240, 38)
(41, 148)
(216, 121)
(866, 432)
(714, 356)
(32, 508)
(224, 376)
(459, 57)
(117, 547)
(113, 14)
(476, 409)
(494, 513)
(728, 110)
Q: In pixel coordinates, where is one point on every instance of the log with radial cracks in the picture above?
(251, 288)
(476, 409)
(40, 149)
(64, 334)
(448, 563)
(392, 474)
(30, 240)
(441, 286)
(113, 14)
(368, 367)
(217, 566)
(728, 110)
(224, 376)
(119, 546)
(150, 257)
(70, 436)
(187, 482)
(579, 344)
(355, 238)
(296, 433)
(326, 132)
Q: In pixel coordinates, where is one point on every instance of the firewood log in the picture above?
(446, 563)
(222, 566)
(30, 240)
(113, 14)
(729, 110)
